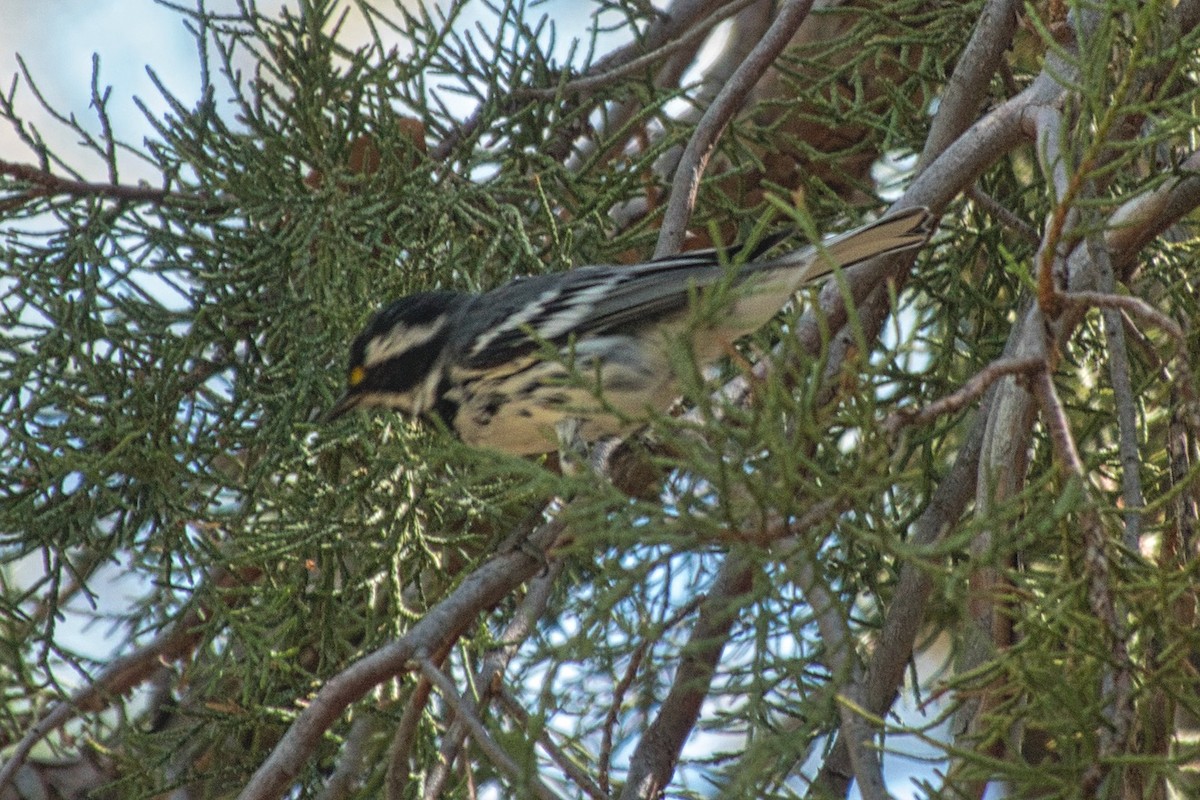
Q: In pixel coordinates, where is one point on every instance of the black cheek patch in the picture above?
(405, 371)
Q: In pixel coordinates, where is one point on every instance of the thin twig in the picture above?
(842, 661)
(443, 623)
(123, 674)
(622, 687)
(1055, 419)
(502, 760)
(1134, 306)
(43, 183)
(1185, 511)
(614, 710)
(1123, 399)
(778, 528)
(564, 761)
(653, 761)
(395, 780)
(703, 142)
(81, 566)
(671, 24)
(519, 628)
(599, 78)
(1096, 562)
(1007, 218)
(971, 391)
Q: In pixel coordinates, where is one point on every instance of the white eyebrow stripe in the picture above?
(400, 339)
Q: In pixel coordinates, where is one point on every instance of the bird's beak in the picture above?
(346, 403)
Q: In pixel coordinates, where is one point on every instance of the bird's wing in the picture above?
(518, 316)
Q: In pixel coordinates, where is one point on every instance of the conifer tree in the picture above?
(980, 457)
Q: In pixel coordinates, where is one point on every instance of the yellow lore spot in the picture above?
(357, 374)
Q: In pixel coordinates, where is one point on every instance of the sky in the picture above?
(58, 40)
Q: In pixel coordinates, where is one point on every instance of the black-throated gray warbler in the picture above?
(479, 362)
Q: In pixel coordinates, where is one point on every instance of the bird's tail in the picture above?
(894, 233)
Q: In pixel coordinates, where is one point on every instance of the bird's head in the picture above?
(396, 362)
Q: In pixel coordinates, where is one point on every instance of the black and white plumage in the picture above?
(479, 361)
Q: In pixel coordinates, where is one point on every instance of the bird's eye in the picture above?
(357, 375)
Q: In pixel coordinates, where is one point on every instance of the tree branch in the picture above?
(522, 624)
(671, 24)
(703, 142)
(1118, 679)
(42, 183)
(971, 391)
(442, 623)
(841, 659)
(564, 761)
(124, 673)
(466, 714)
(906, 615)
(601, 76)
(653, 761)
(967, 89)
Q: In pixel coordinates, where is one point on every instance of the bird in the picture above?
(591, 346)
